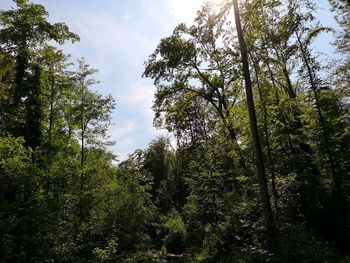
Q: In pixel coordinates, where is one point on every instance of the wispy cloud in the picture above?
(123, 130)
(127, 16)
(139, 97)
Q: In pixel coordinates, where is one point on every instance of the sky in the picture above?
(117, 36)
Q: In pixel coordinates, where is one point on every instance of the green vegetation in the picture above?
(261, 167)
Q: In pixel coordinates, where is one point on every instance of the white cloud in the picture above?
(127, 16)
(123, 148)
(105, 34)
(123, 129)
(139, 97)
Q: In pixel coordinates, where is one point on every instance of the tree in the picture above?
(90, 116)
(158, 169)
(6, 76)
(34, 115)
(264, 193)
(23, 31)
(316, 85)
(196, 63)
(56, 88)
(15, 167)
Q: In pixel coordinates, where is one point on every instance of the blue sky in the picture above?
(117, 36)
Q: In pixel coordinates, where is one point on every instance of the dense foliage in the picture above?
(64, 199)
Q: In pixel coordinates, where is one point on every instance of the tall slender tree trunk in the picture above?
(82, 154)
(264, 193)
(336, 180)
(266, 133)
(52, 98)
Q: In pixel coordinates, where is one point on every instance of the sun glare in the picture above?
(185, 10)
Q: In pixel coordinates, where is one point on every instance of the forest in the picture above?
(259, 170)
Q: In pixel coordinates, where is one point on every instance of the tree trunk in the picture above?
(82, 155)
(52, 98)
(264, 193)
(337, 182)
(266, 133)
